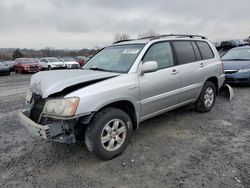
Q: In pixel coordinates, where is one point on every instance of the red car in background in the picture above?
(26, 65)
(81, 60)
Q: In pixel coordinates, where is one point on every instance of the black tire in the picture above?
(49, 67)
(95, 132)
(200, 104)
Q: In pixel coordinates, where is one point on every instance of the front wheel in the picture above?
(109, 133)
(207, 98)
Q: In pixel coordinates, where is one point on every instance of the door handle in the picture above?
(202, 65)
(174, 72)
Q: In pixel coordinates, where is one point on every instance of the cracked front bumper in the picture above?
(55, 131)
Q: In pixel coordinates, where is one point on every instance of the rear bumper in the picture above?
(55, 131)
(221, 80)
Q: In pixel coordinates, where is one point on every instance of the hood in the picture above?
(31, 64)
(51, 82)
(236, 65)
(56, 63)
(71, 63)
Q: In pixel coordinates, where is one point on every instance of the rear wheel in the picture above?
(207, 98)
(109, 133)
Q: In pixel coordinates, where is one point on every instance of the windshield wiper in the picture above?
(105, 70)
(98, 69)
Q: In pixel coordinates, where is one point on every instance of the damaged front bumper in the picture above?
(59, 131)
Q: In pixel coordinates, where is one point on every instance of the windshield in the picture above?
(27, 61)
(53, 59)
(115, 58)
(68, 59)
(237, 54)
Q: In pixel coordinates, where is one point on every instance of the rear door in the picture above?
(158, 89)
(191, 69)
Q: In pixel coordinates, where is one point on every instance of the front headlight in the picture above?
(61, 107)
(244, 70)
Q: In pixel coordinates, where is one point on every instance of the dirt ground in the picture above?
(182, 148)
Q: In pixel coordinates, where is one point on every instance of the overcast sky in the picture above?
(77, 24)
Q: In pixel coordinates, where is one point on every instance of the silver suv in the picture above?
(121, 86)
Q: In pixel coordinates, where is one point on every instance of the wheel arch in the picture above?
(126, 106)
(215, 81)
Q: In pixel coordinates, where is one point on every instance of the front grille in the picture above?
(34, 66)
(37, 108)
(74, 66)
(236, 79)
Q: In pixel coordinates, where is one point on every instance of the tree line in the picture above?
(12, 54)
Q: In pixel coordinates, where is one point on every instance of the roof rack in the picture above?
(123, 41)
(178, 36)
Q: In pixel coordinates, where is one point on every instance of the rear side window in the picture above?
(184, 52)
(161, 53)
(205, 50)
(197, 51)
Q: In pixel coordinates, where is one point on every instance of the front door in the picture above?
(159, 90)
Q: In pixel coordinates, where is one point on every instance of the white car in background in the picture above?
(70, 62)
(52, 63)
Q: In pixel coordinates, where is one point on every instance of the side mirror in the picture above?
(149, 66)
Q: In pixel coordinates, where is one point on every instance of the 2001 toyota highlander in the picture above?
(121, 86)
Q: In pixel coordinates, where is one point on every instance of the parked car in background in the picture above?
(26, 65)
(4, 69)
(36, 60)
(121, 86)
(81, 60)
(52, 63)
(10, 64)
(241, 42)
(227, 45)
(237, 65)
(217, 45)
(70, 62)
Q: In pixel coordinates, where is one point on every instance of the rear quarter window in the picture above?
(206, 51)
(184, 52)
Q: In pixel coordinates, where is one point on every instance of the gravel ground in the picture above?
(181, 148)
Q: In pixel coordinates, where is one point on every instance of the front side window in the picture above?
(205, 50)
(184, 52)
(115, 58)
(161, 53)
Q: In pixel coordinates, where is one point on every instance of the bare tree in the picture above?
(148, 34)
(121, 36)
